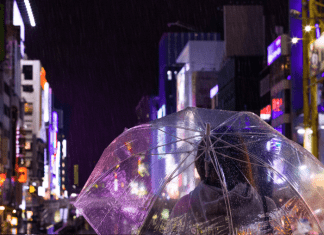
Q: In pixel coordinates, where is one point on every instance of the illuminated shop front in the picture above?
(278, 83)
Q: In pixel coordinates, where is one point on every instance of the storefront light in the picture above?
(2, 208)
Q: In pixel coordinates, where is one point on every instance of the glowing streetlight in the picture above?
(308, 28)
(301, 131)
(294, 40)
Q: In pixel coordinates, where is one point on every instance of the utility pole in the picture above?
(310, 16)
(313, 89)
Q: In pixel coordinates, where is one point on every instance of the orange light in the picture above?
(43, 77)
(129, 147)
(22, 174)
(32, 189)
(3, 177)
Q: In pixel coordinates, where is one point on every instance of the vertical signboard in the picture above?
(316, 55)
(274, 50)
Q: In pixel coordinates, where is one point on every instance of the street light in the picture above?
(294, 40)
(308, 28)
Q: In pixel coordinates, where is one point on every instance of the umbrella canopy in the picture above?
(201, 171)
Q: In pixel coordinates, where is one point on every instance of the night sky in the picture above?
(101, 57)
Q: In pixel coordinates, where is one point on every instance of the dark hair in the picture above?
(227, 144)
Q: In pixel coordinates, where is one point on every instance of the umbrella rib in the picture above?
(166, 144)
(173, 177)
(222, 180)
(179, 137)
(178, 128)
(161, 188)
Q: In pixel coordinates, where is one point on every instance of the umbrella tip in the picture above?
(207, 129)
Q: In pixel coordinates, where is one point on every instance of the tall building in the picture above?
(12, 134)
(170, 47)
(238, 79)
(36, 94)
(202, 60)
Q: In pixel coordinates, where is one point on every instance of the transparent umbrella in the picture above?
(201, 171)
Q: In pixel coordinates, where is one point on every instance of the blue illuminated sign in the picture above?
(274, 50)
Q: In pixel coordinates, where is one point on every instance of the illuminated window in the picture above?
(27, 145)
(28, 108)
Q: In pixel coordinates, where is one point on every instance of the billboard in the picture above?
(316, 56)
(274, 50)
(277, 48)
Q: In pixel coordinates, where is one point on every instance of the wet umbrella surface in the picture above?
(202, 171)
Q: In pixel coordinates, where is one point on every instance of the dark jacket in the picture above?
(204, 210)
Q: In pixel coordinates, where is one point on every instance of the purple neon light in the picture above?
(317, 31)
(289, 77)
(213, 91)
(279, 129)
(274, 50)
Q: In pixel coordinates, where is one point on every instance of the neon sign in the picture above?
(277, 107)
(161, 111)
(43, 78)
(46, 108)
(55, 121)
(265, 113)
(22, 172)
(274, 50)
(64, 148)
(317, 31)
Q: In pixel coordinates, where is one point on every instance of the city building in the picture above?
(243, 60)
(202, 60)
(147, 109)
(170, 47)
(37, 96)
(12, 134)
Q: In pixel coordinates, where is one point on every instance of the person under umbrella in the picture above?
(225, 200)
